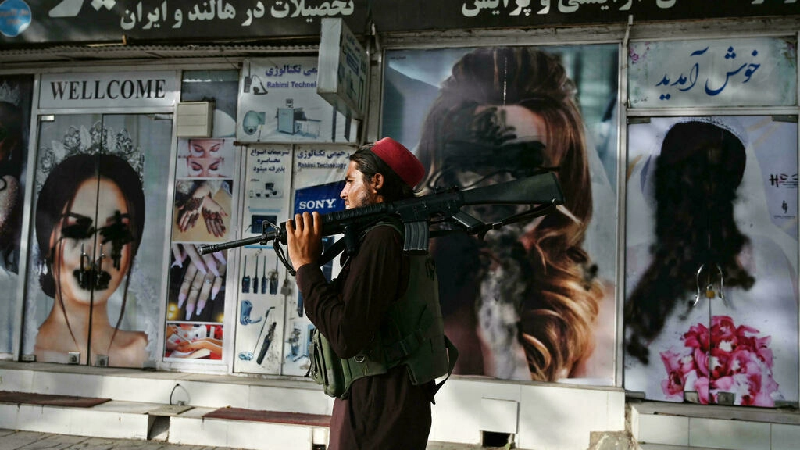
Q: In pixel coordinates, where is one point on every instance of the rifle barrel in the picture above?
(265, 237)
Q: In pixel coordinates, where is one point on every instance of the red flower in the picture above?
(701, 386)
(723, 330)
(697, 337)
(676, 373)
(722, 359)
(701, 361)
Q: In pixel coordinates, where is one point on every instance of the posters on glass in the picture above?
(186, 340)
(711, 260)
(15, 106)
(203, 212)
(278, 102)
(319, 174)
(206, 158)
(536, 299)
(98, 239)
(263, 286)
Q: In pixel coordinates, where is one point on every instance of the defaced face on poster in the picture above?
(534, 300)
(99, 237)
(15, 99)
(711, 312)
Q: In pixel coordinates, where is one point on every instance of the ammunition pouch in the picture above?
(411, 335)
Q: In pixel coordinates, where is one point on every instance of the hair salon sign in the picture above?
(115, 89)
(59, 21)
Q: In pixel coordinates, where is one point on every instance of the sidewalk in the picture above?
(29, 440)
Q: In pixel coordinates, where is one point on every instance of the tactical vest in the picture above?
(411, 335)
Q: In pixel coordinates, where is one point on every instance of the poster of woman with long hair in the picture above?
(15, 105)
(711, 287)
(535, 299)
(99, 237)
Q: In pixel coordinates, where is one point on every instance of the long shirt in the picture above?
(383, 411)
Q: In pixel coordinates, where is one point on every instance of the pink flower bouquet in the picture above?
(724, 359)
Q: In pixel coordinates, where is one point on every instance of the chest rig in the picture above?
(411, 335)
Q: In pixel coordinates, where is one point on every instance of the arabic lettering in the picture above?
(518, 7)
(570, 6)
(210, 10)
(213, 9)
(320, 154)
(108, 4)
(154, 18)
(273, 169)
(325, 9)
(279, 13)
(258, 151)
(276, 71)
(178, 19)
(308, 154)
(257, 13)
(684, 83)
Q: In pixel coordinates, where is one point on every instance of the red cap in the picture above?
(400, 159)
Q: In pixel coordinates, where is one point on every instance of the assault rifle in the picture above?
(440, 210)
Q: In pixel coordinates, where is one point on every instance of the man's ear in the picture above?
(377, 182)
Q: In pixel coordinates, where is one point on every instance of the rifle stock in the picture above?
(416, 213)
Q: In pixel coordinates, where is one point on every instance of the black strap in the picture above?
(452, 357)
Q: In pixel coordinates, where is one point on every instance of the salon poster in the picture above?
(203, 213)
(711, 260)
(98, 239)
(278, 103)
(15, 106)
(535, 300)
(319, 173)
(263, 287)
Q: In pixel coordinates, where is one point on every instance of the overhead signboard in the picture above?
(757, 71)
(343, 63)
(160, 20)
(113, 89)
(278, 103)
(207, 20)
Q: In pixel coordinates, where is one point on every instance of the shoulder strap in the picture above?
(452, 357)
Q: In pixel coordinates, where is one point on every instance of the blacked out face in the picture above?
(84, 248)
(489, 145)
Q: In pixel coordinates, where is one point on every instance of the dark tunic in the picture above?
(384, 411)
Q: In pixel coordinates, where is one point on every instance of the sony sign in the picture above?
(114, 89)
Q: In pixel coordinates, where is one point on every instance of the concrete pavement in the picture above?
(29, 440)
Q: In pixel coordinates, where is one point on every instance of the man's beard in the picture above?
(366, 198)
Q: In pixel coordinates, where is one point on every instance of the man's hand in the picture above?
(304, 239)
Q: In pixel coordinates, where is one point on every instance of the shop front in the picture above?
(669, 274)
